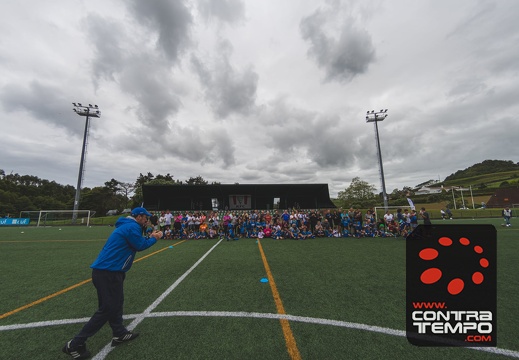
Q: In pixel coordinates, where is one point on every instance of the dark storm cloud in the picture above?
(146, 77)
(227, 90)
(279, 112)
(342, 56)
(192, 144)
(229, 11)
(108, 38)
(297, 134)
(223, 148)
(154, 89)
(44, 102)
(171, 20)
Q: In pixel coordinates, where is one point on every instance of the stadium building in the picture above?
(236, 197)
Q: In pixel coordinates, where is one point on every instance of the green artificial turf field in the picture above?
(325, 298)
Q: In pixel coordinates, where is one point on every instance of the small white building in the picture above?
(425, 190)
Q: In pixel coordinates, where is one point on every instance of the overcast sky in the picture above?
(258, 92)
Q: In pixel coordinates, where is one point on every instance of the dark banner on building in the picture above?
(237, 202)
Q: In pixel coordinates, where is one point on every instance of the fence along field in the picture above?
(342, 297)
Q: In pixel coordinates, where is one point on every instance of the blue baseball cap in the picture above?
(140, 211)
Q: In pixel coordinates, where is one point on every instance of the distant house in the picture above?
(425, 190)
(455, 188)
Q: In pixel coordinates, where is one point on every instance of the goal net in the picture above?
(58, 217)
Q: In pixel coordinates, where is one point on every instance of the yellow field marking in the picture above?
(156, 252)
(44, 299)
(290, 341)
(39, 301)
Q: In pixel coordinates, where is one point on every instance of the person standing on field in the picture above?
(108, 273)
(507, 214)
(425, 216)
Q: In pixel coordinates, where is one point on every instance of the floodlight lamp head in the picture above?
(80, 104)
(90, 105)
(98, 107)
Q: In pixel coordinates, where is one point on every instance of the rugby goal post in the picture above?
(59, 217)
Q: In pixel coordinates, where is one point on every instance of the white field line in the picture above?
(256, 315)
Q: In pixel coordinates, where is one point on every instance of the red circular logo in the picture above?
(433, 274)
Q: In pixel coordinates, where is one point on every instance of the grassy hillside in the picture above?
(485, 167)
(486, 181)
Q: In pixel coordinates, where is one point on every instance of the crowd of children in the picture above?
(296, 224)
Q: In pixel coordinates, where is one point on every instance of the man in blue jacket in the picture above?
(108, 273)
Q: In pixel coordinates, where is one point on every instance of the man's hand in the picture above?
(157, 234)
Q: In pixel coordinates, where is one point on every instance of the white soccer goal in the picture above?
(59, 217)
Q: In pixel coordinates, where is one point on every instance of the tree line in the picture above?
(30, 193)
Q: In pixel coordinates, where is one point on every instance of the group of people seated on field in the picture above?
(295, 224)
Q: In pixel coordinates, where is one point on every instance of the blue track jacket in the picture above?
(120, 248)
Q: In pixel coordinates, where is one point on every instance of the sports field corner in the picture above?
(324, 298)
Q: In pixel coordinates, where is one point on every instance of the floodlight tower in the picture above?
(375, 117)
(88, 112)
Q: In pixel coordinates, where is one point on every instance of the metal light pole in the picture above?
(87, 111)
(375, 117)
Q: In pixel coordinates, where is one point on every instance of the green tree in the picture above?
(24, 203)
(199, 180)
(126, 190)
(49, 203)
(166, 177)
(150, 179)
(359, 194)
(113, 186)
(504, 184)
(7, 200)
(100, 199)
